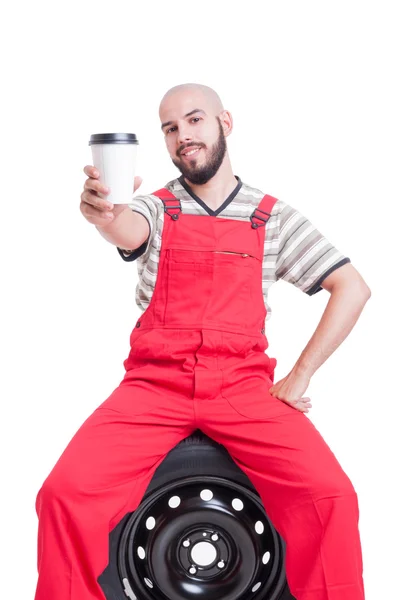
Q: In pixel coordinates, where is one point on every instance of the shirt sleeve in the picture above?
(305, 257)
(147, 207)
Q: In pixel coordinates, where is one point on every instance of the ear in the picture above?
(226, 122)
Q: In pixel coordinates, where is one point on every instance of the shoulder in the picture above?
(145, 199)
(253, 195)
(174, 186)
(286, 221)
(147, 204)
(152, 202)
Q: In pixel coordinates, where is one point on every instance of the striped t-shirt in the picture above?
(294, 250)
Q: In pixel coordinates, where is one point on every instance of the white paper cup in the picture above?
(114, 155)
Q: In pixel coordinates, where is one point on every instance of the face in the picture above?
(194, 138)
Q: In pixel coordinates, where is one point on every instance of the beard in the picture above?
(201, 175)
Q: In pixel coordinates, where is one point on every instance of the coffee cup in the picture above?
(114, 155)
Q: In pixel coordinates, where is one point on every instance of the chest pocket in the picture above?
(208, 284)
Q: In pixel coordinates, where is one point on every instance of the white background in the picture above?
(312, 89)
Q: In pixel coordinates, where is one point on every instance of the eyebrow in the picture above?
(195, 110)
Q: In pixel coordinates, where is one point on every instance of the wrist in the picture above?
(303, 369)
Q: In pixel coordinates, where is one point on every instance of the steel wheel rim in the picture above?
(162, 548)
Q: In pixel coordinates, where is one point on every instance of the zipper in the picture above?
(227, 252)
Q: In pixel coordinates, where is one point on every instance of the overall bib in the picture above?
(198, 361)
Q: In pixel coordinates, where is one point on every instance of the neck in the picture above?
(218, 188)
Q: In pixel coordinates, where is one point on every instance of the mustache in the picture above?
(191, 145)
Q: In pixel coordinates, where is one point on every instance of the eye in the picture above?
(171, 129)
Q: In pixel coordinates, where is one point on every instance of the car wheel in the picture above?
(200, 531)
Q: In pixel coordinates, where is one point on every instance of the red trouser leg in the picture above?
(103, 474)
(307, 495)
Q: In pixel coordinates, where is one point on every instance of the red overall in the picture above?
(198, 361)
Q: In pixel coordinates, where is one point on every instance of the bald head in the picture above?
(194, 92)
(195, 125)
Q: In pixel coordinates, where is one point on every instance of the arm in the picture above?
(310, 262)
(348, 295)
(128, 229)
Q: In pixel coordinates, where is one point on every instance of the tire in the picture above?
(237, 553)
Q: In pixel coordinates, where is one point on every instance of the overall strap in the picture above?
(172, 206)
(258, 218)
(262, 213)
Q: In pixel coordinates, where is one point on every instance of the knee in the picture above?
(339, 485)
(347, 488)
(57, 488)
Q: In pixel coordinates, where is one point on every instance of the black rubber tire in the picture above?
(196, 455)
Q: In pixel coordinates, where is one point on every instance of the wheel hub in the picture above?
(203, 552)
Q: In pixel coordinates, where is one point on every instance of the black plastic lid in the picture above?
(113, 138)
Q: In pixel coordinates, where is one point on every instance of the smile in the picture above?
(191, 153)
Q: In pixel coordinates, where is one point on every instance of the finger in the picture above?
(302, 400)
(96, 186)
(137, 182)
(91, 198)
(305, 408)
(95, 215)
(91, 171)
(300, 406)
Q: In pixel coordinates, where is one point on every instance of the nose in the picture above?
(184, 134)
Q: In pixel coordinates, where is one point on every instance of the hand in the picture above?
(97, 210)
(290, 390)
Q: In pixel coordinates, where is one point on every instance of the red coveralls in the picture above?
(197, 360)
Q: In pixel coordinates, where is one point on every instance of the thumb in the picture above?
(137, 182)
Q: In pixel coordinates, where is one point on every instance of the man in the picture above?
(208, 248)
